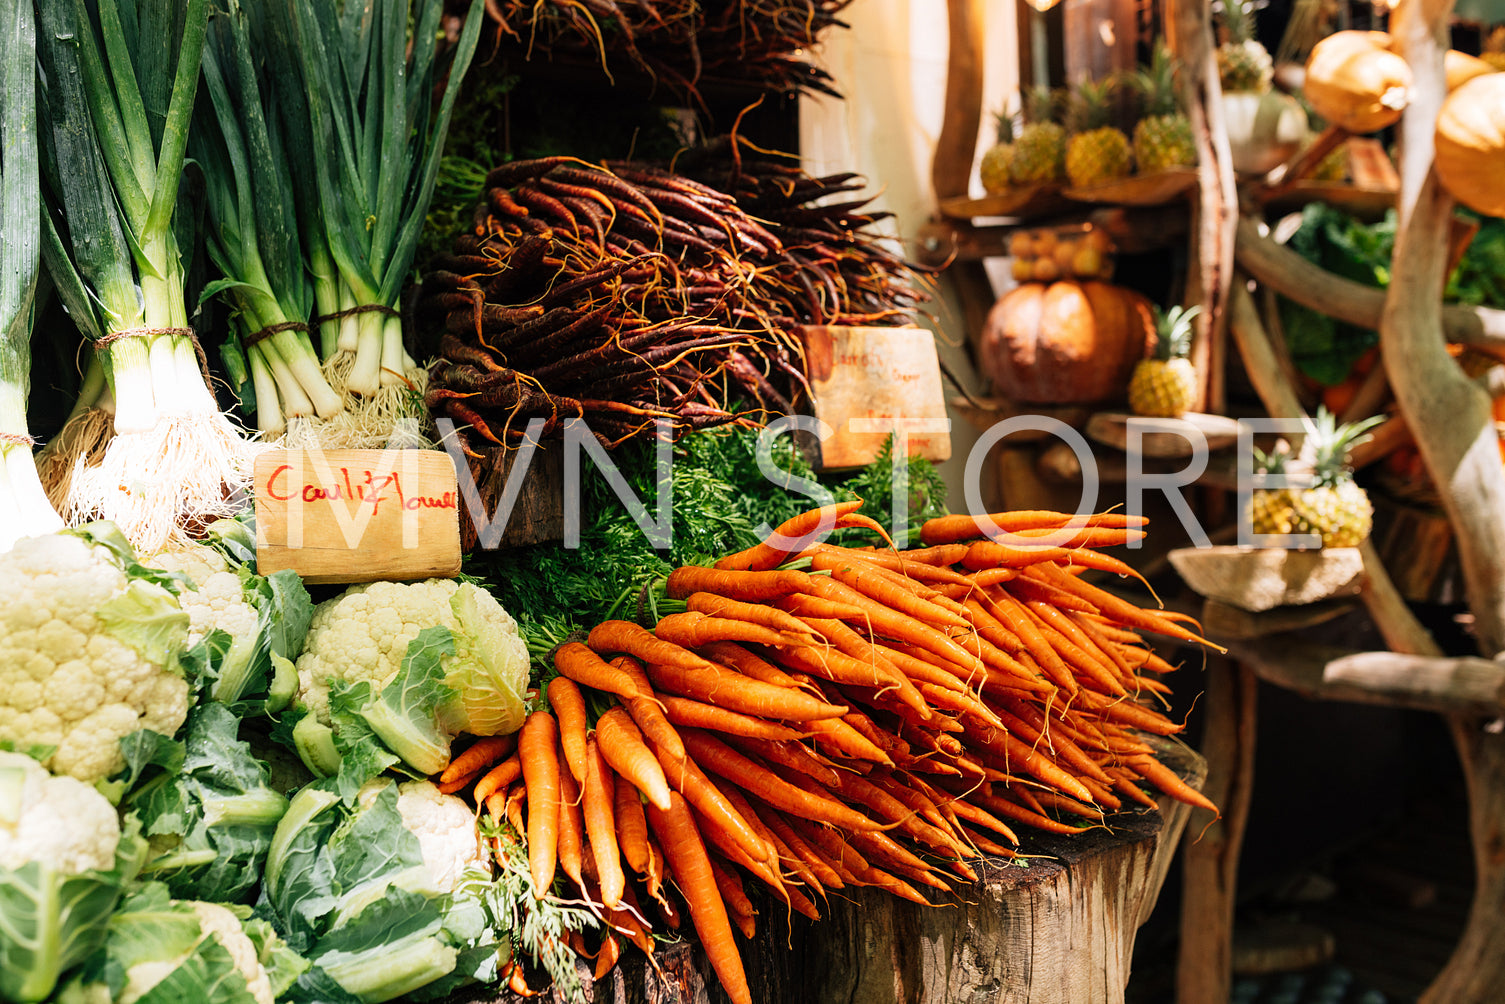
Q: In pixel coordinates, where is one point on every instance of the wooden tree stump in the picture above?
(1059, 930)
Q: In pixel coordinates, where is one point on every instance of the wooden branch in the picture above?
(1263, 362)
(955, 147)
(1059, 463)
(1462, 452)
(1189, 31)
(1467, 685)
(1294, 277)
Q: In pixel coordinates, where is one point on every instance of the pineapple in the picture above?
(1040, 148)
(1333, 167)
(1162, 139)
(997, 160)
(1270, 508)
(1166, 385)
(1097, 152)
(1243, 64)
(1494, 48)
(1336, 508)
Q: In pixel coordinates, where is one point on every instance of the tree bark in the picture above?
(1189, 31)
(1462, 455)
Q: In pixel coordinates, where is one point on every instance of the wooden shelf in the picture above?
(1029, 202)
(1111, 428)
(1155, 189)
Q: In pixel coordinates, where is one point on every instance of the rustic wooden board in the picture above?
(1060, 931)
(985, 412)
(537, 514)
(1223, 622)
(1111, 428)
(1029, 201)
(864, 381)
(357, 515)
(1140, 189)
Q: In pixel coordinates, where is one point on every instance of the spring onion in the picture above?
(24, 508)
(120, 78)
(374, 143)
(253, 232)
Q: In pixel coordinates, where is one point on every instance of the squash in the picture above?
(1355, 82)
(1460, 68)
(1263, 129)
(1065, 342)
(1470, 141)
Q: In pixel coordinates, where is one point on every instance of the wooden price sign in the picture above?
(357, 515)
(865, 382)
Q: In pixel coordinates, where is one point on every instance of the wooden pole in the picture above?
(1462, 456)
(1189, 31)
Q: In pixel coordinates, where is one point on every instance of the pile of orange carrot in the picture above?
(874, 717)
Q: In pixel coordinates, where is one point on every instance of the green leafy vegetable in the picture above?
(210, 817)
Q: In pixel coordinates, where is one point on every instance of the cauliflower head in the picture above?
(88, 653)
(446, 830)
(59, 821)
(218, 602)
(363, 633)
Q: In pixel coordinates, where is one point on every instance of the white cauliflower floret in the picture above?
(87, 655)
(363, 633)
(225, 927)
(59, 821)
(446, 830)
(219, 601)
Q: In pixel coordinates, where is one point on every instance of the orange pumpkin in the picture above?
(1471, 144)
(1353, 81)
(1066, 342)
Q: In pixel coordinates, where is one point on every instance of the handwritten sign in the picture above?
(867, 382)
(357, 515)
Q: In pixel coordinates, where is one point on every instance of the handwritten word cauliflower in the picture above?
(89, 647)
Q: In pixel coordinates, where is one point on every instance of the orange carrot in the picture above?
(788, 754)
(988, 554)
(627, 638)
(535, 749)
(683, 711)
(762, 614)
(692, 870)
(482, 753)
(569, 707)
(868, 581)
(1122, 610)
(726, 689)
(851, 643)
(751, 587)
(790, 538)
(571, 828)
(646, 712)
(607, 956)
(500, 776)
(837, 736)
(1168, 781)
(692, 630)
(892, 623)
(948, 529)
(734, 896)
(1087, 536)
(686, 777)
(734, 656)
(585, 667)
(632, 825)
(817, 865)
(622, 745)
(718, 758)
(907, 563)
(458, 784)
(805, 605)
(1013, 810)
(600, 824)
